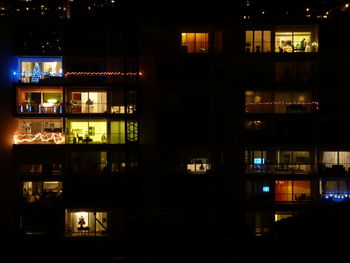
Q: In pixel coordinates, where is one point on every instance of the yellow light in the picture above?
(52, 101)
(301, 98)
(346, 5)
(47, 104)
(307, 9)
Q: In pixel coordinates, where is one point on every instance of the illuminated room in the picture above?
(279, 161)
(39, 100)
(195, 42)
(292, 191)
(86, 222)
(88, 101)
(336, 161)
(37, 69)
(336, 190)
(96, 131)
(198, 166)
(39, 131)
(37, 191)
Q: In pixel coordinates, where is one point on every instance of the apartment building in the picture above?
(184, 130)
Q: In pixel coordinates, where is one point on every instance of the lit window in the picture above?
(39, 100)
(294, 42)
(195, 42)
(39, 131)
(38, 69)
(86, 223)
(41, 191)
(336, 161)
(257, 41)
(280, 215)
(88, 102)
(198, 166)
(95, 131)
(292, 191)
(335, 190)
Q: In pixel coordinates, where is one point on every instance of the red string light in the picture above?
(316, 103)
(89, 74)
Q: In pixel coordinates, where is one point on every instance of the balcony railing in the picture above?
(293, 168)
(293, 197)
(335, 197)
(97, 138)
(60, 138)
(77, 108)
(40, 169)
(43, 197)
(331, 168)
(81, 108)
(282, 107)
(43, 77)
(97, 168)
(40, 108)
(39, 138)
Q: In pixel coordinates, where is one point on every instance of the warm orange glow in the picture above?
(57, 138)
(292, 190)
(195, 42)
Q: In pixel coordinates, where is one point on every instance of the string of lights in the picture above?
(57, 138)
(314, 103)
(90, 74)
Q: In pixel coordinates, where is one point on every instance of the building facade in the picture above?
(140, 131)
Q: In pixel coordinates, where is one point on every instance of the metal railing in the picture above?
(292, 168)
(332, 168)
(86, 108)
(77, 108)
(97, 168)
(39, 109)
(282, 107)
(96, 138)
(293, 197)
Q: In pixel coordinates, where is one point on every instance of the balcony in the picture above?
(42, 192)
(40, 169)
(104, 168)
(45, 108)
(101, 77)
(335, 190)
(39, 69)
(98, 108)
(280, 102)
(39, 138)
(291, 168)
(282, 107)
(96, 131)
(293, 191)
(282, 39)
(276, 161)
(39, 100)
(87, 223)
